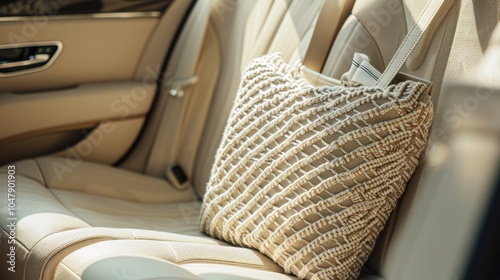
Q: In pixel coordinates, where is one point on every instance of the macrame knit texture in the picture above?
(309, 175)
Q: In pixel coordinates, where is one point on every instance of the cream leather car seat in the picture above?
(100, 222)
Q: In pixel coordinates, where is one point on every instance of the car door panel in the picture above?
(101, 50)
(92, 102)
(83, 107)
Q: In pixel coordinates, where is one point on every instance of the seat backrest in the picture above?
(466, 33)
(248, 29)
(375, 28)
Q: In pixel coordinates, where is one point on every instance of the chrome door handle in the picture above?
(30, 57)
(39, 58)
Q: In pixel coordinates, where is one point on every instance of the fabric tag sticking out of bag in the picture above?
(361, 73)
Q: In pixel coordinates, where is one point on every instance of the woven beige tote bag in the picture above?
(309, 175)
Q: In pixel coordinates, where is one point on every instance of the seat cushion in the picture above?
(93, 202)
(98, 211)
(93, 196)
(78, 225)
(98, 179)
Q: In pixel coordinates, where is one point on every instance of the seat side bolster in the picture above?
(171, 255)
(47, 254)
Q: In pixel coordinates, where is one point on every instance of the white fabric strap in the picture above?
(427, 16)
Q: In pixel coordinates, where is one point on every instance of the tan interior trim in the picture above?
(62, 128)
(84, 104)
(87, 16)
(208, 71)
(93, 48)
(138, 157)
(108, 142)
(182, 66)
(161, 39)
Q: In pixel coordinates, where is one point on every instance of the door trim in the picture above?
(86, 16)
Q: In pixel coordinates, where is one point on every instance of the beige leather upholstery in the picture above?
(58, 200)
(76, 212)
(292, 31)
(459, 66)
(490, 70)
(101, 180)
(331, 18)
(166, 259)
(153, 161)
(375, 28)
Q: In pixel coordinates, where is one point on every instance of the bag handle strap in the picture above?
(432, 10)
(331, 17)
